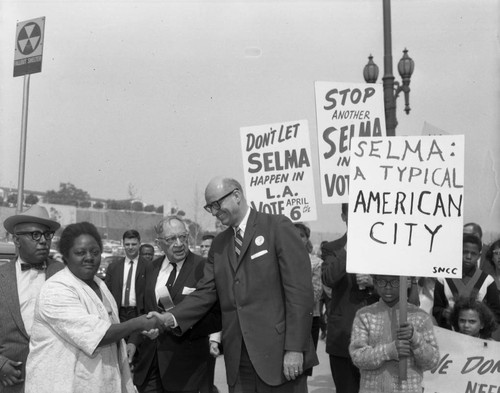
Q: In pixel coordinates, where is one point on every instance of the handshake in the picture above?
(155, 323)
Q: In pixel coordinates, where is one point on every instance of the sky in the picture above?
(151, 95)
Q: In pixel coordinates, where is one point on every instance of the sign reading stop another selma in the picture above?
(406, 202)
(29, 46)
(344, 110)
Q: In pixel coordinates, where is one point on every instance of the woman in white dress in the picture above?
(77, 339)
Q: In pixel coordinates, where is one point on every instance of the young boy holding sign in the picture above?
(379, 341)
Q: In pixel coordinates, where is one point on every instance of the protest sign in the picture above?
(344, 110)
(406, 206)
(277, 166)
(466, 365)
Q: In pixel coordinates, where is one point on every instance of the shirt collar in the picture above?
(165, 264)
(243, 223)
(20, 261)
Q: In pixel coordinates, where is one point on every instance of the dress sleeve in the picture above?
(365, 356)
(423, 343)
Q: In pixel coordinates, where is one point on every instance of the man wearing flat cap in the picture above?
(20, 283)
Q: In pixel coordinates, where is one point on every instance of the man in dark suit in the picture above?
(20, 283)
(125, 277)
(330, 248)
(171, 363)
(259, 270)
(350, 292)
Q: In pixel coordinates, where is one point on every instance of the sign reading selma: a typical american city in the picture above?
(406, 206)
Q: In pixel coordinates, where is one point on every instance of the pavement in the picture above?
(320, 382)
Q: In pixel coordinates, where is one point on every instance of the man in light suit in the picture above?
(171, 363)
(125, 277)
(20, 283)
(260, 272)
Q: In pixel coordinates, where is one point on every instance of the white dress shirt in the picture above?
(163, 274)
(126, 268)
(29, 284)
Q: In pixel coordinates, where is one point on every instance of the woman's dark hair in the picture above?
(493, 246)
(72, 231)
(486, 316)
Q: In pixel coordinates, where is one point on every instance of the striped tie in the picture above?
(238, 242)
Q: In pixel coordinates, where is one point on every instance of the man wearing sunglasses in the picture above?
(20, 283)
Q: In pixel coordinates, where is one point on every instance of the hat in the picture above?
(35, 214)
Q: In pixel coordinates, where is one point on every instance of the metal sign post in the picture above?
(27, 60)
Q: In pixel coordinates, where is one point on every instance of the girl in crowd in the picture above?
(493, 258)
(473, 318)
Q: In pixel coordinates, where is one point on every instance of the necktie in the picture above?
(171, 278)
(27, 266)
(238, 242)
(126, 301)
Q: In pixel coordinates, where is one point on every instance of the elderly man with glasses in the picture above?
(170, 363)
(20, 283)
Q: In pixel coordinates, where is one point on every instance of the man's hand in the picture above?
(149, 322)
(167, 318)
(364, 281)
(214, 348)
(10, 373)
(151, 334)
(131, 348)
(292, 364)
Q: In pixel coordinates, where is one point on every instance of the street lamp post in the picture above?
(391, 88)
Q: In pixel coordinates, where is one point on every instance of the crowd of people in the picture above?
(257, 294)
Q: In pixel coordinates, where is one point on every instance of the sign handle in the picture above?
(403, 312)
(22, 150)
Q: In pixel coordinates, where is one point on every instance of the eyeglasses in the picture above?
(37, 235)
(171, 239)
(216, 204)
(381, 283)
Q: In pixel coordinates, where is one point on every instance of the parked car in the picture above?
(105, 262)
(7, 252)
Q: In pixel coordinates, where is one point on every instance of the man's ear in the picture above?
(15, 238)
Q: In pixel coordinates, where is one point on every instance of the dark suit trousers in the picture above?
(345, 374)
(249, 382)
(153, 381)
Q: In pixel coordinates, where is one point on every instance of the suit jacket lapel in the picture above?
(248, 236)
(151, 284)
(8, 282)
(140, 268)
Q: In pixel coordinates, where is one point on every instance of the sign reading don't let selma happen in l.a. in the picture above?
(406, 206)
(278, 172)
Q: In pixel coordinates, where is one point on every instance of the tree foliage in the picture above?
(98, 205)
(68, 194)
(137, 206)
(12, 199)
(85, 204)
(31, 199)
(149, 208)
(118, 205)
